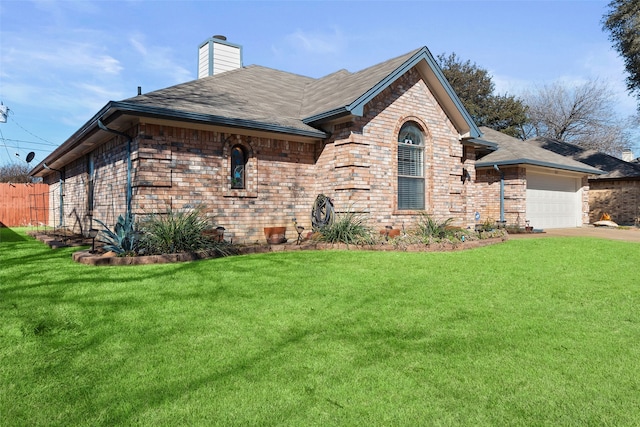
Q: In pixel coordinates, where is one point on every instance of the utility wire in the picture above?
(31, 133)
(5, 145)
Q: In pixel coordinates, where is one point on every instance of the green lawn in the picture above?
(529, 332)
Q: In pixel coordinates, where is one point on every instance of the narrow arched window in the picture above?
(238, 162)
(410, 167)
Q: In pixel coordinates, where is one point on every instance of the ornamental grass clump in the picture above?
(175, 232)
(429, 229)
(348, 228)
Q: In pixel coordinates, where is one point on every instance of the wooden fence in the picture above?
(23, 204)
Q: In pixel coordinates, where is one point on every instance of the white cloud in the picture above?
(159, 60)
(316, 42)
(35, 58)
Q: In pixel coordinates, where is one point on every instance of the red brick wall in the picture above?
(193, 167)
(619, 198)
(177, 168)
(109, 188)
(488, 195)
(357, 167)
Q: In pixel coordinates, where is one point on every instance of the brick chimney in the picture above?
(217, 55)
(627, 155)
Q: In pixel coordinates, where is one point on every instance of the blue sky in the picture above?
(61, 61)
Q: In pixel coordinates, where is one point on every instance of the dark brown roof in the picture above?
(343, 88)
(513, 151)
(252, 93)
(264, 95)
(614, 167)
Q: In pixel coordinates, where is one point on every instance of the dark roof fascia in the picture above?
(165, 113)
(115, 108)
(473, 128)
(357, 107)
(328, 115)
(480, 142)
(516, 162)
(89, 127)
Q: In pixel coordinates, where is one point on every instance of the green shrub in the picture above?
(429, 227)
(175, 232)
(349, 228)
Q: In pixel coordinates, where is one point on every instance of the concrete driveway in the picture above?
(629, 235)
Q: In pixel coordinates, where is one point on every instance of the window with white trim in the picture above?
(410, 167)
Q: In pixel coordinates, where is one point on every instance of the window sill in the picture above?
(408, 212)
(240, 194)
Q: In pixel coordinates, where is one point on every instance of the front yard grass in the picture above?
(529, 332)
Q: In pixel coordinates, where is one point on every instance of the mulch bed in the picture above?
(100, 258)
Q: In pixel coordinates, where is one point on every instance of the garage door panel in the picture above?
(553, 201)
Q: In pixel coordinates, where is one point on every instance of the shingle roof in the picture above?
(258, 95)
(512, 151)
(343, 88)
(265, 99)
(252, 93)
(614, 167)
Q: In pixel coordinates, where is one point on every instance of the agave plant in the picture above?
(123, 239)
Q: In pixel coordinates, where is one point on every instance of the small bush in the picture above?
(428, 227)
(349, 228)
(175, 232)
(123, 239)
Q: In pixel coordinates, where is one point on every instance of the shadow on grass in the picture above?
(7, 235)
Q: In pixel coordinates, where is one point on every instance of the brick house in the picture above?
(615, 192)
(254, 146)
(545, 188)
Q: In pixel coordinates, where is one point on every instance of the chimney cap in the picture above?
(220, 37)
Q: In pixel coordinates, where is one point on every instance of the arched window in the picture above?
(410, 167)
(238, 162)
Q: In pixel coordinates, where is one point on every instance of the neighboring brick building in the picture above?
(254, 147)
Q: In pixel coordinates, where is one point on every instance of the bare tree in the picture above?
(583, 115)
(15, 172)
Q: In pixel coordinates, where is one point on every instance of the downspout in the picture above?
(501, 193)
(62, 179)
(128, 139)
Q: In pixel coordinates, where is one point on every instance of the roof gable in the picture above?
(347, 93)
(266, 100)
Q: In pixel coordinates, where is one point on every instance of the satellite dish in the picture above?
(30, 156)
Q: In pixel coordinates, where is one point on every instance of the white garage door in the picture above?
(553, 201)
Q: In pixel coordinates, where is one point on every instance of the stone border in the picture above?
(108, 259)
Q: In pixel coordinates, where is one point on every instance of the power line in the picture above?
(19, 141)
(31, 133)
(5, 145)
